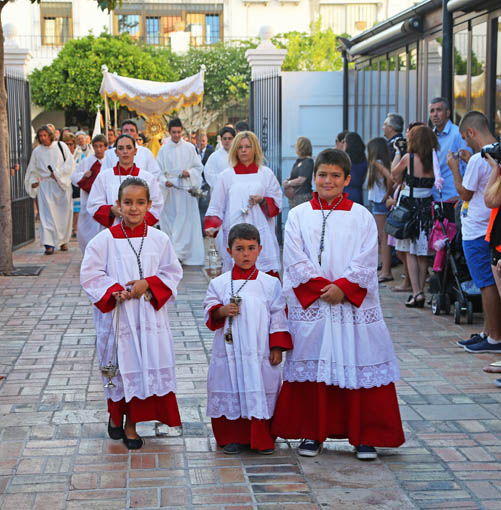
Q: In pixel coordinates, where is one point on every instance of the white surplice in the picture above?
(230, 198)
(105, 192)
(88, 227)
(339, 345)
(242, 383)
(143, 159)
(180, 217)
(217, 162)
(146, 357)
(54, 195)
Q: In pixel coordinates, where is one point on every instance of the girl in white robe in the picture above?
(145, 385)
(339, 377)
(52, 188)
(244, 378)
(250, 193)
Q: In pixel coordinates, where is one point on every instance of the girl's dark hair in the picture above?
(125, 136)
(133, 181)
(341, 136)
(421, 141)
(355, 147)
(334, 157)
(243, 231)
(143, 138)
(377, 149)
(227, 129)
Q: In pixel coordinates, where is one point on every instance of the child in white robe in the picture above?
(339, 377)
(101, 202)
(244, 373)
(84, 176)
(249, 192)
(135, 265)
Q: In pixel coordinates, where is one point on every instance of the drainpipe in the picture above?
(346, 79)
(447, 56)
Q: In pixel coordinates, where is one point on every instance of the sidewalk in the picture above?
(54, 454)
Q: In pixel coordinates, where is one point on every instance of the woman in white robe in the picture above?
(48, 178)
(247, 193)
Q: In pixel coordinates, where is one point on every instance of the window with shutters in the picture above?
(56, 23)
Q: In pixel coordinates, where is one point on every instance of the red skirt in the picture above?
(310, 410)
(163, 409)
(254, 432)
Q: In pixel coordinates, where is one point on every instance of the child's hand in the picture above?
(255, 200)
(115, 210)
(139, 287)
(276, 355)
(121, 295)
(332, 294)
(230, 310)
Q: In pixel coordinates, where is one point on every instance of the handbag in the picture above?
(402, 222)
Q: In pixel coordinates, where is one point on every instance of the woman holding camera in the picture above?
(419, 162)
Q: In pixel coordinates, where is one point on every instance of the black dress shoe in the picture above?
(115, 432)
(133, 444)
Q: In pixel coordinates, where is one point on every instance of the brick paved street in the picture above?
(54, 453)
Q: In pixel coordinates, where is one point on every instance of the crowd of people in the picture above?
(340, 364)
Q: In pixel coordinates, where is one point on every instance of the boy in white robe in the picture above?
(102, 198)
(48, 178)
(181, 166)
(247, 192)
(339, 377)
(136, 266)
(84, 176)
(219, 160)
(244, 372)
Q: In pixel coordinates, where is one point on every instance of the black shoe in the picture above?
(474, 339)
(232, 449)
(115, 432)
(267, 451)
(309, 448)
(133, 444)
(365, 452)
(414, 302)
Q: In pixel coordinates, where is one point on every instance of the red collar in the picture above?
(242, 274)
(117, 232)
(132, 171)
(240, 168)
(345, 205)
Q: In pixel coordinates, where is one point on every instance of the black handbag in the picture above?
(402, 222)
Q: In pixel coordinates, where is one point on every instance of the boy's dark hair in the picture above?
(227, 129)
(243, 231)
(176, 122)
(133, 181)
(100, 138)
(125, 136)
(128, 121)
(334, 157)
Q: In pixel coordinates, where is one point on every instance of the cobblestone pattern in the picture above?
(54, 454)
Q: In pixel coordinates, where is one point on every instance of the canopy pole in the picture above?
(199, 137)
(106, 115)
(115, 116)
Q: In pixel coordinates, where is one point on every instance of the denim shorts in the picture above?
(379, 208)
(478, 259)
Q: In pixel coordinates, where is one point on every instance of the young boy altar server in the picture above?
(135, 266)
(246, 308)
(339, 377)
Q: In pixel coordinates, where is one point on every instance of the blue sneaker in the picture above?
(474, 339)
(483, 346)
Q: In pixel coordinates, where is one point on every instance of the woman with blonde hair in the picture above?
(247, 193)
(297, 188)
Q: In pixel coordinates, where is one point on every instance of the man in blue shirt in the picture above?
(449, 139)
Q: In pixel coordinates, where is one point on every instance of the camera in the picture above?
(494, 150)
(401, 143)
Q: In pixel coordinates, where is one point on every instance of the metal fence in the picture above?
(266, 123)
(19, 117)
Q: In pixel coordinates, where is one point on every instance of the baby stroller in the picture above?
(451, 283)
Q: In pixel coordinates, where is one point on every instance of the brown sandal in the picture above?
(64, 247)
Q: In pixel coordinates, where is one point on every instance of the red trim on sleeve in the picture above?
(281, 339)
(269, 207)
(107, 303)
(307, 293)
(214, 324)
(160, 293)
(104, 216)
(86, 183)
(150, 219)
(353, 292)
(212, 222)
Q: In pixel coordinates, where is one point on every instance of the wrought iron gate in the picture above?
(266, 123)
(19, 115)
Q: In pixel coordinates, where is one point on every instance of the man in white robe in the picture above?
(181, 167)
(48, 177)
(143, 159)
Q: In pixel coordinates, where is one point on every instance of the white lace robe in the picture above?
(180, 217)
(146, 357)
(242, 383)
(88, 227)
(143, 159)
(231, 196)
(54, 196)
(339, 345)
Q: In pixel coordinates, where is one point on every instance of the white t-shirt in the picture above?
(474, 213)
(378, 191)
